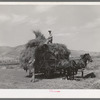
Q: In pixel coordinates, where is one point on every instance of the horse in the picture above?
(71, 67)
(68, 68)
(81, 63)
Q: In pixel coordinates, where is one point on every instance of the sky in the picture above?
(76, 26)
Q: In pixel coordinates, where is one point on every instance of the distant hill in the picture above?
(14, 52)
(5, 49)
(77, 53)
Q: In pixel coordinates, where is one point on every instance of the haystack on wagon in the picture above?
(28, 53)
(48, 56)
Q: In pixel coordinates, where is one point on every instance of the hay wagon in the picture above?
(46, 55)
(46, 61)
(47, 65)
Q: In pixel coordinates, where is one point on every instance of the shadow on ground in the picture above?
(57, 75)
(42, 76)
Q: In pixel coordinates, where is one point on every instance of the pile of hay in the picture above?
(28, 53)
(40, 39)
(49, 53)
(37, 49)
(60, 51)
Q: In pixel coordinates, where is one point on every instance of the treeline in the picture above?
(9, 62)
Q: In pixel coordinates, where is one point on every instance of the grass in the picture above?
(16, 79)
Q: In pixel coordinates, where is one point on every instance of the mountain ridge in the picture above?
(7, 51)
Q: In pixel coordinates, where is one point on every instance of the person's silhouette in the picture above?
(50, 38)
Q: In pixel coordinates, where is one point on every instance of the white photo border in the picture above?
(48, 93)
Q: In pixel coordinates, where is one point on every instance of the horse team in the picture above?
(73, 66)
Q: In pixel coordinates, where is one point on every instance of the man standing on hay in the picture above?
(50, 38)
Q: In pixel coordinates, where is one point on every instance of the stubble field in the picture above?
(16, 78)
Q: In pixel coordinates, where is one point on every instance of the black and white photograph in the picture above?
(49, 46)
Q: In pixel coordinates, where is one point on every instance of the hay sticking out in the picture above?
(28, 53)
(40, 39)
(36, 49)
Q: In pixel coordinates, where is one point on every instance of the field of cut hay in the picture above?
(16, 78)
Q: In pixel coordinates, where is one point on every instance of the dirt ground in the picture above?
(17, 79)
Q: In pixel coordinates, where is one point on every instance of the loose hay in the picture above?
(37, 49)
(90, 75)
(40, 39)
(28, 53)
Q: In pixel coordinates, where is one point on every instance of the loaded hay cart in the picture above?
(48, 56)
